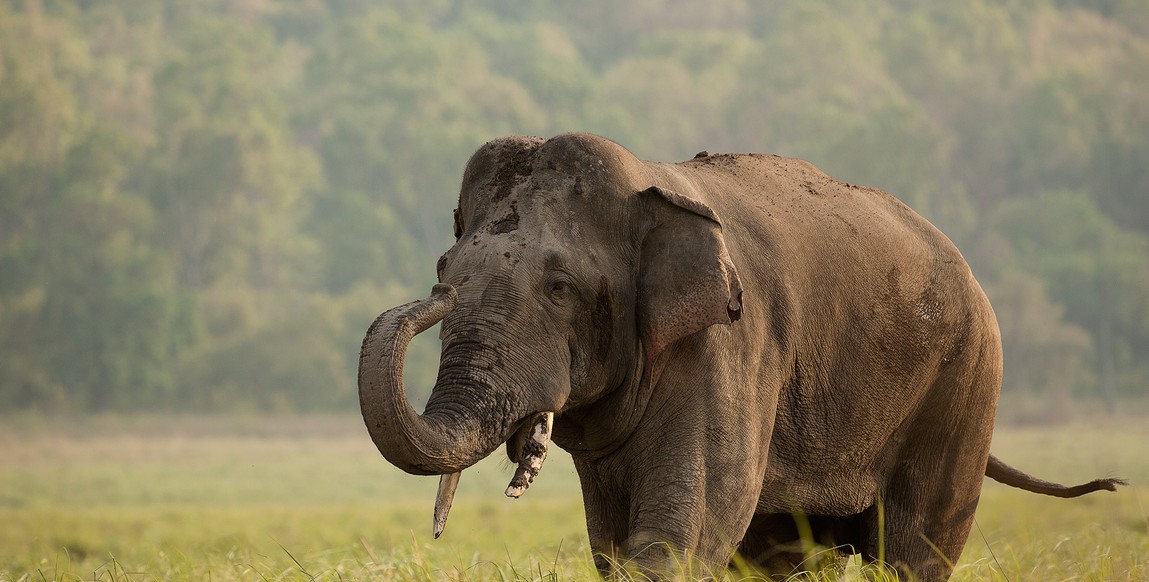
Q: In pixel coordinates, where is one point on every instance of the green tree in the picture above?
(226, 176)
(1044, 354)
(390, 97)
(1097, 270)
(85, 318)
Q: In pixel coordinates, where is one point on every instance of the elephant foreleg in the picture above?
(606, 519)
(678, 527)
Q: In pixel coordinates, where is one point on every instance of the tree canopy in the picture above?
(203, 204)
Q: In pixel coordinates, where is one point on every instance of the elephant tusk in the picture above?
(443, 499)
(533, 454)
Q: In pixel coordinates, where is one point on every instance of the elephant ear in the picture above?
(686, 281)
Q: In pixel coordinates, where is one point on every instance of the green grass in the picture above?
(286, 498)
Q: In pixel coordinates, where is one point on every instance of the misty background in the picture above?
(204, 204)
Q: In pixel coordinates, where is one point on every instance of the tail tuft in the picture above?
(1109, 484)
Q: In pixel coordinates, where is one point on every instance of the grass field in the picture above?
(309, 498)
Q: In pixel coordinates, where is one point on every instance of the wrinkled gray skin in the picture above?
(725, 341)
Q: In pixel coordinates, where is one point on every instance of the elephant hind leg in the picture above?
(933, 479)
(921, 547)
(927, 507)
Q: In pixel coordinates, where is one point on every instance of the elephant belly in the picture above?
(840, 494)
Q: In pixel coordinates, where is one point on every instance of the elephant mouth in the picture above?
(519, 437)
(527, 447)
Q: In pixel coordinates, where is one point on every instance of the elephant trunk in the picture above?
(420, 445)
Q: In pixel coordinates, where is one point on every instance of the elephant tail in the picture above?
(1003, 473)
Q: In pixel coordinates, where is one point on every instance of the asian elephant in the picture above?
(722, 344)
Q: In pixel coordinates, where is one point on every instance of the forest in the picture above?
(204, 203)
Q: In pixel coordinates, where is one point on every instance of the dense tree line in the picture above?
(203, 204)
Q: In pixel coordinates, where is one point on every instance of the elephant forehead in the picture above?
(551, 214)
(517, 243)
(532, 216)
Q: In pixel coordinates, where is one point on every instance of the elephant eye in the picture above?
(559, 289)
(458, 225)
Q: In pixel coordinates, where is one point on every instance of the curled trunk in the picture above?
(465, 420)
(420, 445)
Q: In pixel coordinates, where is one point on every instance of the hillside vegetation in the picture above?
(204, 203)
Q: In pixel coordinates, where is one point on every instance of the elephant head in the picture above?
(574, 267)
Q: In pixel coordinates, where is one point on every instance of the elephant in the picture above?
(733, 349)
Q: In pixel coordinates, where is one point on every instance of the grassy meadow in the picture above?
(306, 498)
